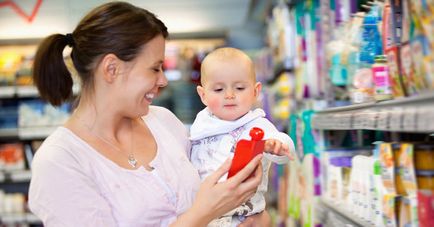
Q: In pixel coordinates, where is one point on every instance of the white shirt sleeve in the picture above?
(61, 194)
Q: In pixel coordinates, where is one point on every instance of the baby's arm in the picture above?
(276, 147)
(279, 147)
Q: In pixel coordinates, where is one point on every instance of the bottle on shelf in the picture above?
(380, 73)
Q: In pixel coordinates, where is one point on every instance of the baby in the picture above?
(229, 91)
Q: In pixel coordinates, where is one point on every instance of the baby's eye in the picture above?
(218, 90)
(241, 88)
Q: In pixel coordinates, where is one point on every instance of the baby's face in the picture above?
(229, 89)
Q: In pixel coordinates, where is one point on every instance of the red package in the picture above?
(246, 150)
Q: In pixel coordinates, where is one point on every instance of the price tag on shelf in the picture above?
(329, 121)
(382, 120)
(357, 121)
(395, 119)
(409, 119)
(344, 121)
(370, 118)
(425, 119)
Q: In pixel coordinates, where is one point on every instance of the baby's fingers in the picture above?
(277, 147)
(269, 145)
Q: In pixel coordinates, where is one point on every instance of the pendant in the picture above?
(132, 161)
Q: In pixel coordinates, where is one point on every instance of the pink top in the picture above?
(74, 185)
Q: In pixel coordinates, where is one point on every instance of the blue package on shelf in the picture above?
(8, 114)
(35, 113)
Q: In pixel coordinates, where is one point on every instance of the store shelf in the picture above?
(16, 218)
(27, 91)
(15, 176)
(7, 91)
(20, 176)
(345, 211)
(30, 133)
(8, 132)
(412, 114)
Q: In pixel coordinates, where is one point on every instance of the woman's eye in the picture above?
(157, 70)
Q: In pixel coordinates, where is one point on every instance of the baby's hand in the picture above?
(276, 147)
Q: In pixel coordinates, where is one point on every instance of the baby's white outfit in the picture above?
(213, 141)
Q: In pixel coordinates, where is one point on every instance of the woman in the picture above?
(119, 161)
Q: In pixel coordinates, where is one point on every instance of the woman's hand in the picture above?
(262, 219)
(215, 199)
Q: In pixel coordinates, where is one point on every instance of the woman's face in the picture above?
(144, 77)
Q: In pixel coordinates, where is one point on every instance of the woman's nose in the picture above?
(162, 81)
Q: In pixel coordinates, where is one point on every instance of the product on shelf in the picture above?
(425, 208)
(394, 186)
(407, 168)
(8, 114)
(9, 63)
(393, 63)
(15, 61)
(36, 113)
(380, 72)
(12, 157)
(424, 157)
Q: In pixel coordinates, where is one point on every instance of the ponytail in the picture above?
(117, 28)
(50, 74)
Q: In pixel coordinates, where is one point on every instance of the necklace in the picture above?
(131, 159)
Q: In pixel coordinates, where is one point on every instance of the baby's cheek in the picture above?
(213, 104)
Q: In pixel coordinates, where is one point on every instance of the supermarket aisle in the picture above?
(361, 100)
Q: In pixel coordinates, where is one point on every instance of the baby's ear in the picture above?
(201, 92)
(258, 87)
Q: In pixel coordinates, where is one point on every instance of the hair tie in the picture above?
(69, 40)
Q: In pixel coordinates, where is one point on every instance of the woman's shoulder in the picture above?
(165, 119)
(162, 113)
(58, 146)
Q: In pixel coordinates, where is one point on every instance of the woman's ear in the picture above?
(110, 67)
(201, 92)
(258, 87)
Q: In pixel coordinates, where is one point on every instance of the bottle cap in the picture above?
(380, 58)
(377, 168)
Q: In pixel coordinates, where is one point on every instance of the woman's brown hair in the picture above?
(116, 27)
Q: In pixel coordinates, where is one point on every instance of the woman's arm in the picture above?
(215, 199)
(61, 194)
